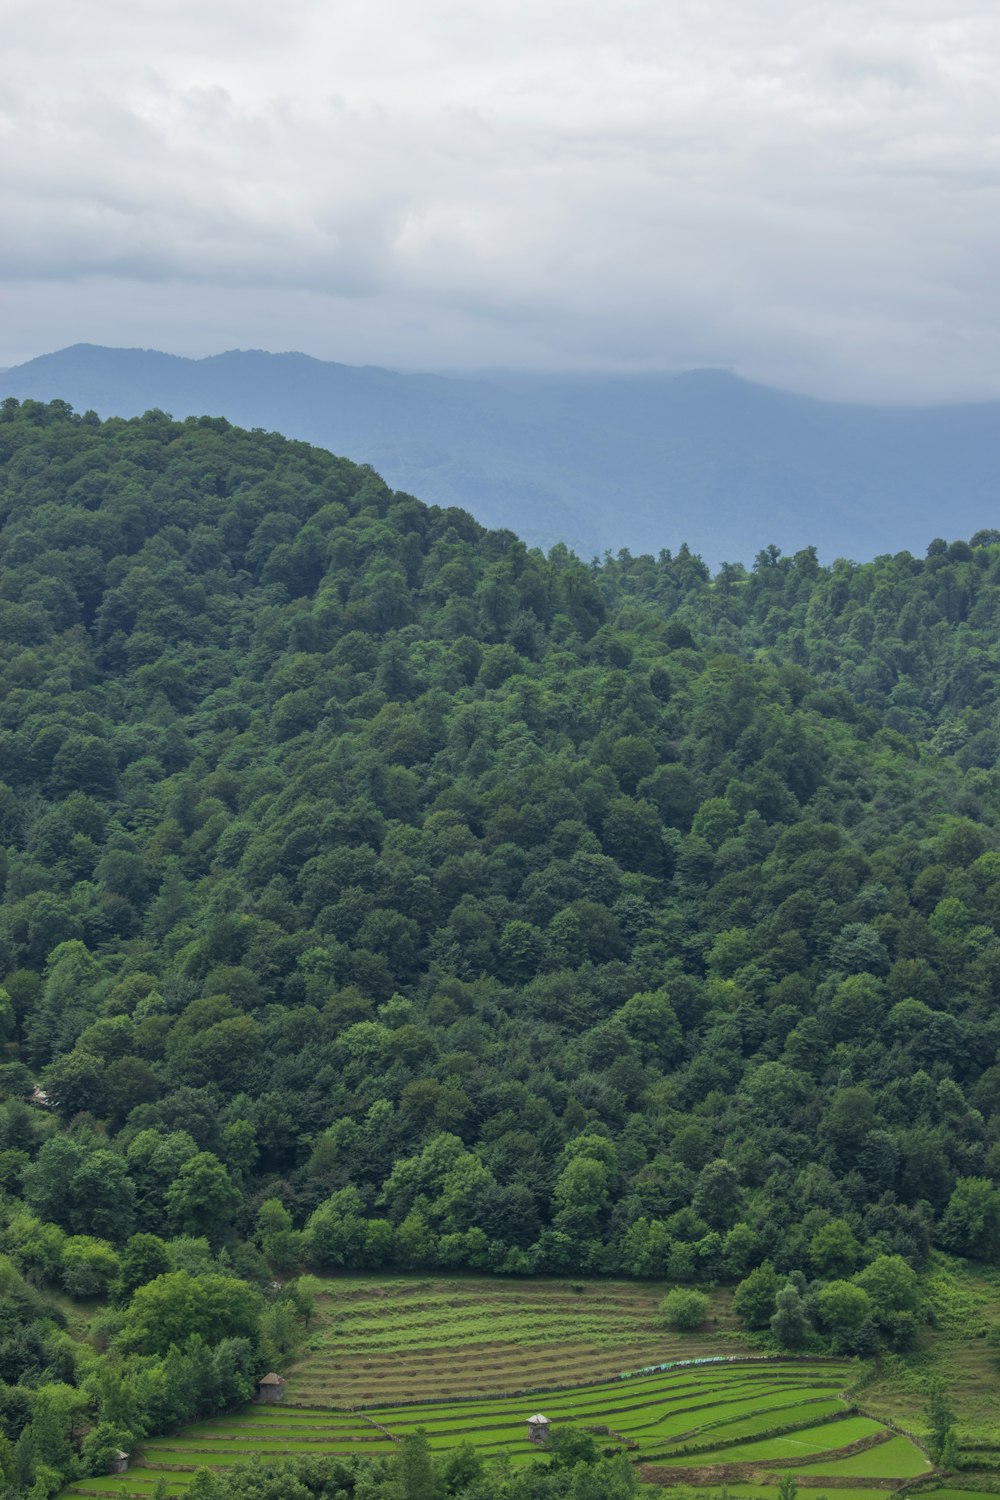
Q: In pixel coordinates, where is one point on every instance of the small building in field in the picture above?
(119, 1462)
(538, 1430)
(271, 1388)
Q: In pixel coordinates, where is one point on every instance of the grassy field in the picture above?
(834, 1434)
(466, 1358)
(765, 1492)
(959, 1352)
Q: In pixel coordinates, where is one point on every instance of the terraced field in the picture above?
(400, 1339)
(390, 1357)
(701, 1425)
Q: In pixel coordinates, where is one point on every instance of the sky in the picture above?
(807, 194)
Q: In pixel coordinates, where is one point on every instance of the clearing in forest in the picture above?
(390, 1356)
(405, 1338)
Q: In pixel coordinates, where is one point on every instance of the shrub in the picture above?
(684, 1308)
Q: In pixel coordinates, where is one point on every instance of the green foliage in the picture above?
(833, 1249)
(846, 1312)
(171, 1308)
(753, 1299)
(415, 1477)
(144, 1258)
(202, 1198)
(941, 1423)
(569, 1446)
(971, 1221)
(89, 1266)
(891, 1284)
(790, 1320)
(684, 1308)
(415, 1474)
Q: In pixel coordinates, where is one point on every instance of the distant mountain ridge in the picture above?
(599, 462)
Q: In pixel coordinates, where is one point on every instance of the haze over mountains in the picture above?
(599, 462)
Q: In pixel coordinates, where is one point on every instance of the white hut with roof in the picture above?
(538, 1430)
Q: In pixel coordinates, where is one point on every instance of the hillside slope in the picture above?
(376, 892)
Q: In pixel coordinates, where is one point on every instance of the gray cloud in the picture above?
(809, 193)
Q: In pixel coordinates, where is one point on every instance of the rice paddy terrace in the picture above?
(459, 1358)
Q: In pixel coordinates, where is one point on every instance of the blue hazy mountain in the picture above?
(643, 462)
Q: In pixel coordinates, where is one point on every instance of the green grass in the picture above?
(240, 1423)
(769, 1491)
(896, 1459)
(965, 1303)
(830, 1435)
(767, 1421)
(951, 1493)
(179, 1448)
(708, 1387)
(616, 1402)
(139, 1484)
(143, 1480)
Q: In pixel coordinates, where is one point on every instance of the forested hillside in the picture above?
(378, 892)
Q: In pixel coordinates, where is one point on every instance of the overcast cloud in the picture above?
(808, 194)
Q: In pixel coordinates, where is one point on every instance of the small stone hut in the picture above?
(538, 1430)
(271, 1388)
(119, 1462)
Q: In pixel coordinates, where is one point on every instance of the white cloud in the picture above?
(808, 193)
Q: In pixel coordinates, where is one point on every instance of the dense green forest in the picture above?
(379, 892)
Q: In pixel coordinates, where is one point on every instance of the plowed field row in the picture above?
(406, 1338)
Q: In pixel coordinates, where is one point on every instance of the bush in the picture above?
(169, 1309)
(684, 1308)
(753, 1299)
(89, 1266)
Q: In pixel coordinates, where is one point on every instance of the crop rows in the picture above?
(405, 1339)
(688, 1419)
(390, 1358)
